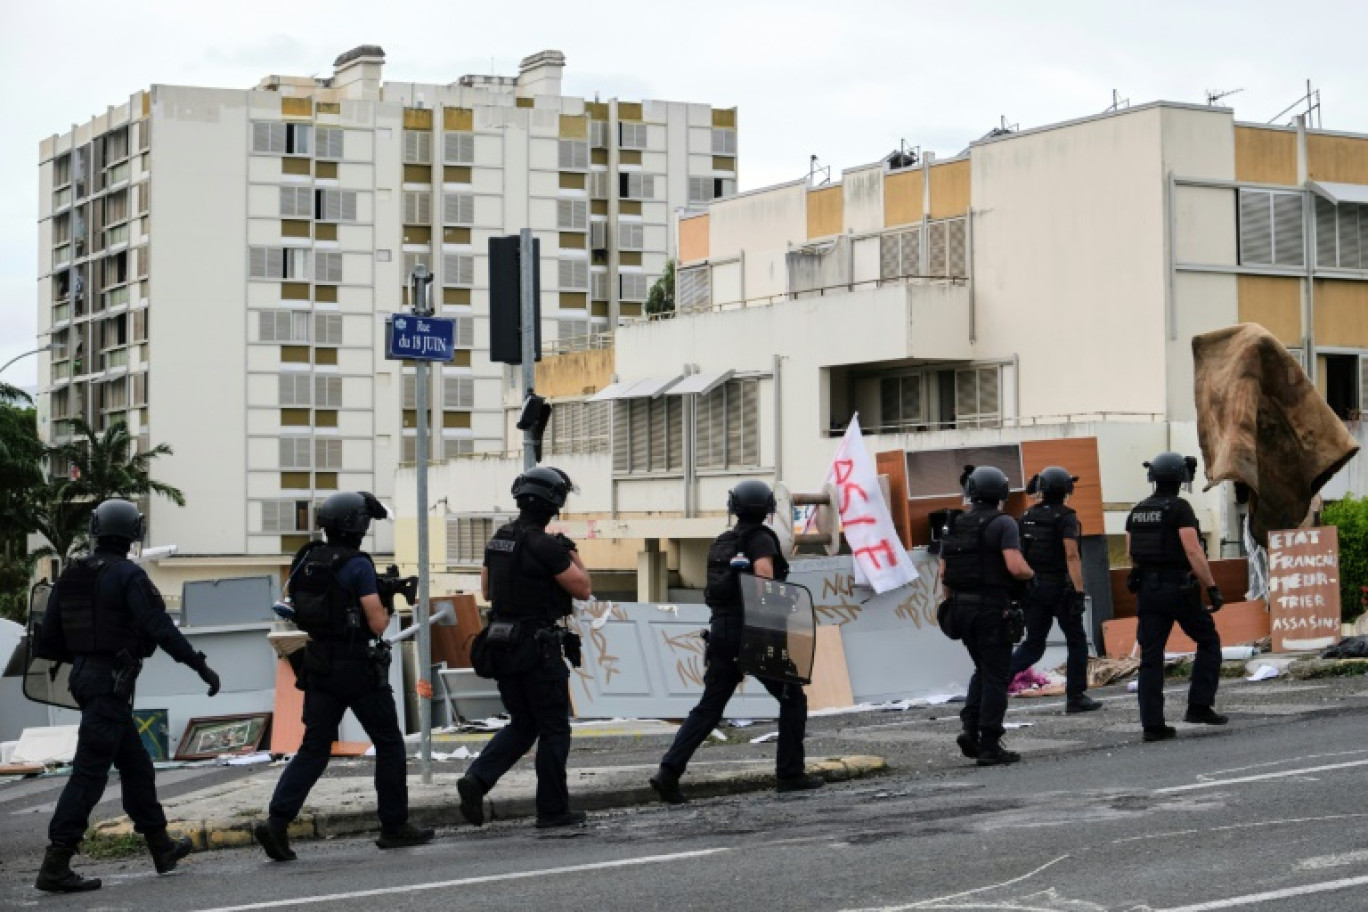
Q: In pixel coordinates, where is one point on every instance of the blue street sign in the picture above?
(410, 338)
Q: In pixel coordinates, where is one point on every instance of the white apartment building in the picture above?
(216, 266)
(1040, 286)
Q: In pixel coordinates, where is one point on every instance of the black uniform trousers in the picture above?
(984, 632)
(108, 736)
(538, 704)
(351, 684)
(1162, 602)
(1053, 601)
(720, 681)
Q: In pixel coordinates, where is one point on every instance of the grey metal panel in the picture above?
(1340, 193)
(700, 383)
(240, 600)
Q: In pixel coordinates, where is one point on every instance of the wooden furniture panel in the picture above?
(1232, 578)
(1238, 623)
(893, 464)
(1079, 456)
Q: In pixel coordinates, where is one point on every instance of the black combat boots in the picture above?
(1205, 715)
(274, 837)
(968, 744)
(472, 800)
(1081, 703)
(666, 785)
(993, 753)
(166, 851)
(56, 876)
(404, 837)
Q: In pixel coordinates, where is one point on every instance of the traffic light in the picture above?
(536, 414)
(505, 299)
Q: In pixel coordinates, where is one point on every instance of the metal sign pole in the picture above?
(527, 263)
(422, 307)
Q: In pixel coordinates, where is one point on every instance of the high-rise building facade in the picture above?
(216, 266)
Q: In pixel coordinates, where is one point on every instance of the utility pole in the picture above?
(527, 286)
(421, 305)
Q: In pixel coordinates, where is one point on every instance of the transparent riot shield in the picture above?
(779, 639)
(45, 681)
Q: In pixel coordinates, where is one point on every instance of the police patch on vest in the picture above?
(501, 544)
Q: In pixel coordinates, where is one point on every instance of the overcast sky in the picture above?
(843, 80)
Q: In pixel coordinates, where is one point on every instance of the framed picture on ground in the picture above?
(210, 736)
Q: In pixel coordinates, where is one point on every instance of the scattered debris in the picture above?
(1263, 673)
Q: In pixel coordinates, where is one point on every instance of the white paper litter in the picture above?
(244, 759)
(46, 745)
(765, 738)
(717, 734)
(1017, 724)
(1263, 673)
(1133, 686)
(460, 753)
(740, 723)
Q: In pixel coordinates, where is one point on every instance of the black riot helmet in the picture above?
(1170, 470)
(986, 484)
(751, 500)
(347, 513)
(116, 519)
(541, 488)
(1054, 483)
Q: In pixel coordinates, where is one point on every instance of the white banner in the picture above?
(880, 559)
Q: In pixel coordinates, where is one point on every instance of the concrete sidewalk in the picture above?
(343, 801)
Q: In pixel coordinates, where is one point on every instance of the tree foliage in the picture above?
(661, 300)
(1350, 518)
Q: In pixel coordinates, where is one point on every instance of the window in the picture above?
(599, 183)
(579, 427)
(458, 269)
(296, 202)
(977, 402)
(417, 207)
(327, 329)
(61, 171)
(417, 147)
(457, 447)
(458, 148)
(598, 134)
(598, 286)
(631, 235)
(598, 235)
(294, 389)
(723, 142)
(900, 254)
(635, 185)
(574, 275)
(464, 330)
(283, 326)
(278, 263)
(693, 288)
(458, 392)
(1341, 235)
(409, 398)
(1271, 231)
(327, 266)
(574, 155)
(328, 453)
(647, 435)
(285, 515)
(901, 404)
(458, 208)
(701, 190)
(632, 135)
(572, 215)
(327, 392)
(727, 426)
(281, 139)
(294, 453)
(635, 287)
(412, 262)
(335, 205)
(329, 143)
(466, 539)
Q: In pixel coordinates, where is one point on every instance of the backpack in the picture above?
(322, 606)
(723, 589)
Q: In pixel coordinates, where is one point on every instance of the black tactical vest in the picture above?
(722, 591)
(1153, 544)
(519, 587)
(91, 624)
(324, 608)
(970, 565)
(1042, 537)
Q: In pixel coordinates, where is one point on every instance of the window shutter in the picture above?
(1256, 228)
(598, 236)
(622, 435)
(458, 269)
(1350, 249)
(268, 138)
(329, 143)
(631, 235)
(633, 135)
(328, 329)
(458, 148)
(328, 453)
(989, 407)
(574, 275)
(1288, 240)
(966, 398)
(294, 389)
(458, 209)
(417, 207)
(724, 142)
(598, 134)
(572, 215)
(574, 155)
(464, 332)
(327, 266)
(598, 183)
(659, 439)
(890, 267)
(413, 260)
(599, 286)
(417, 147)
(294, 453)
(327, 391)
(635, 287)
(458, 392)
(956, 248)
(410, 391)
(693, 288)
(296, 202)
(294, 262)
(455, 448)
(674, 432)
(937, 249)
(1326, 248)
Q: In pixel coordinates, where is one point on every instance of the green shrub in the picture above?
(1350, 517)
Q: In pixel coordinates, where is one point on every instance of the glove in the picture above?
(1078, 602)
(1214, 594)
(207, 674)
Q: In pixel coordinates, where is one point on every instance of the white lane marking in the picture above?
(1238, 826)
(1332, 861)
(923, 903)
(1201, 777)
(1236, 902)
(468, 881)
(1193, 786)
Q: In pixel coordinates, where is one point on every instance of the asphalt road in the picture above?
(1263, 814)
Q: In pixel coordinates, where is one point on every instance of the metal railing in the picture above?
(989, 423)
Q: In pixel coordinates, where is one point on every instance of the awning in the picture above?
(700, 383)
(648, 388)
(1340, 193)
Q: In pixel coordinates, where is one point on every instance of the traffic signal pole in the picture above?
(422, 307)
(527, 264)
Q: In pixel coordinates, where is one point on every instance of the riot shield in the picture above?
(45, 681)
(779, 639)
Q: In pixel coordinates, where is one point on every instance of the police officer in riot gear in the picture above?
(344, 666)
(530, 577)
(1049, 542)
(754, 548)
(105, 616)
(1169, 566)
(981, 571)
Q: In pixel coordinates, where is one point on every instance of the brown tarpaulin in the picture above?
(1262, 424)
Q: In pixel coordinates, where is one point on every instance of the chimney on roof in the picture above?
(540, 74)
(356, 74)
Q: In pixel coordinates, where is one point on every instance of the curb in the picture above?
(237, 832)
